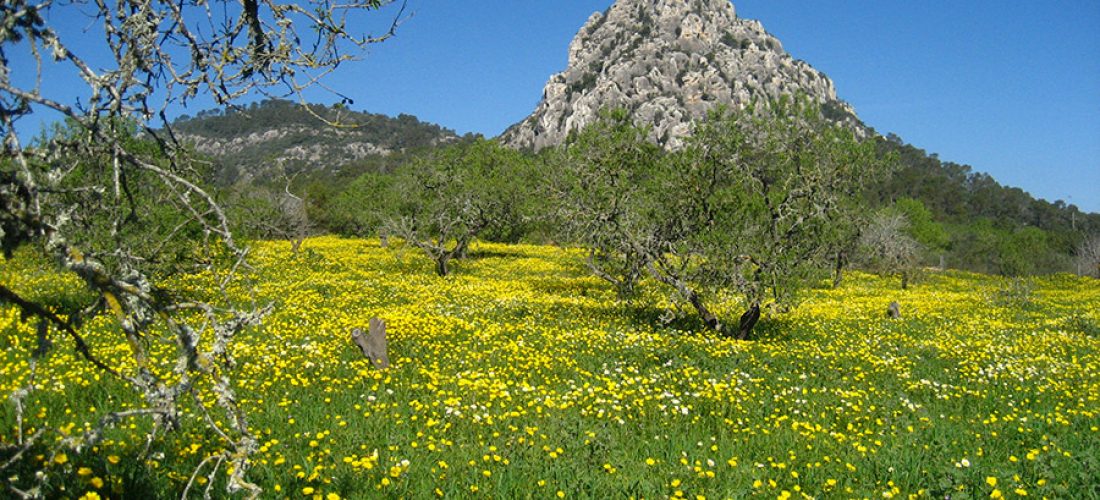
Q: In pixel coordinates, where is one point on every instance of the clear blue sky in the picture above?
(1010, 88)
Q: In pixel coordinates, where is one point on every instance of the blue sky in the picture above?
(1010, 88)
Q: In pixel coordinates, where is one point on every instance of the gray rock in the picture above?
(668, 62)
(373, 343)
(893, 311)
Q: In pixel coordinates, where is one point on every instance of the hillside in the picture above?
(272, 137)
(984, 218)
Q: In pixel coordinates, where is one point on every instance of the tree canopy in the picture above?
(748, 205)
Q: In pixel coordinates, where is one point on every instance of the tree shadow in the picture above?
(652, 316)
(769, 329)
(491, 254)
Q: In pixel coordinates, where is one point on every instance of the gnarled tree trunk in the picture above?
(441, 267)
(838, 272)
(748, 321)
(705, 314)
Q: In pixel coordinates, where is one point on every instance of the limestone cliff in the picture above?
(668, 62)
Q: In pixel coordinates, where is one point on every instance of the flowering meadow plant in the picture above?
(522, 375)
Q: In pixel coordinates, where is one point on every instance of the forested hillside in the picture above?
(270, 138)
(990, 227)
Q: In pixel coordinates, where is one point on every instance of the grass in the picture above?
(521, 376)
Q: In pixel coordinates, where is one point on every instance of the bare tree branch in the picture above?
(113, 198)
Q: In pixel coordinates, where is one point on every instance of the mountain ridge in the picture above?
(273, 137)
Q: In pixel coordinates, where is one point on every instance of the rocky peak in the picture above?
(668, 62)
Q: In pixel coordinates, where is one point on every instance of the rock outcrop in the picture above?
(668, 62)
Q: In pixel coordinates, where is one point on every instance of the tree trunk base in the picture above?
(441, 267)
(838, 271)
(748, 321)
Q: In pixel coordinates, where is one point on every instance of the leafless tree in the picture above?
(887, 249)
(274, 214)
(91, 196)
(1088, 257)
(294, 217)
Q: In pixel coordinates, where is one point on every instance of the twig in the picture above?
(8, 295)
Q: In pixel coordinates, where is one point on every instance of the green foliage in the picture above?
(922, 228)
(975, 210)
(749, 206)
(442, 201)
(730, 40)
(984, 247)
(603, 190)
(767, 188)
(943, 201)
(363, 205)
(137, 222)
(1017, 251)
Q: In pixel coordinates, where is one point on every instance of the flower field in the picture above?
(521, 376)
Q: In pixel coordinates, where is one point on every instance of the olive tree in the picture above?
(753, 203)
(455, 194)
(748, 205)
(103, 199)
(602, 194)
